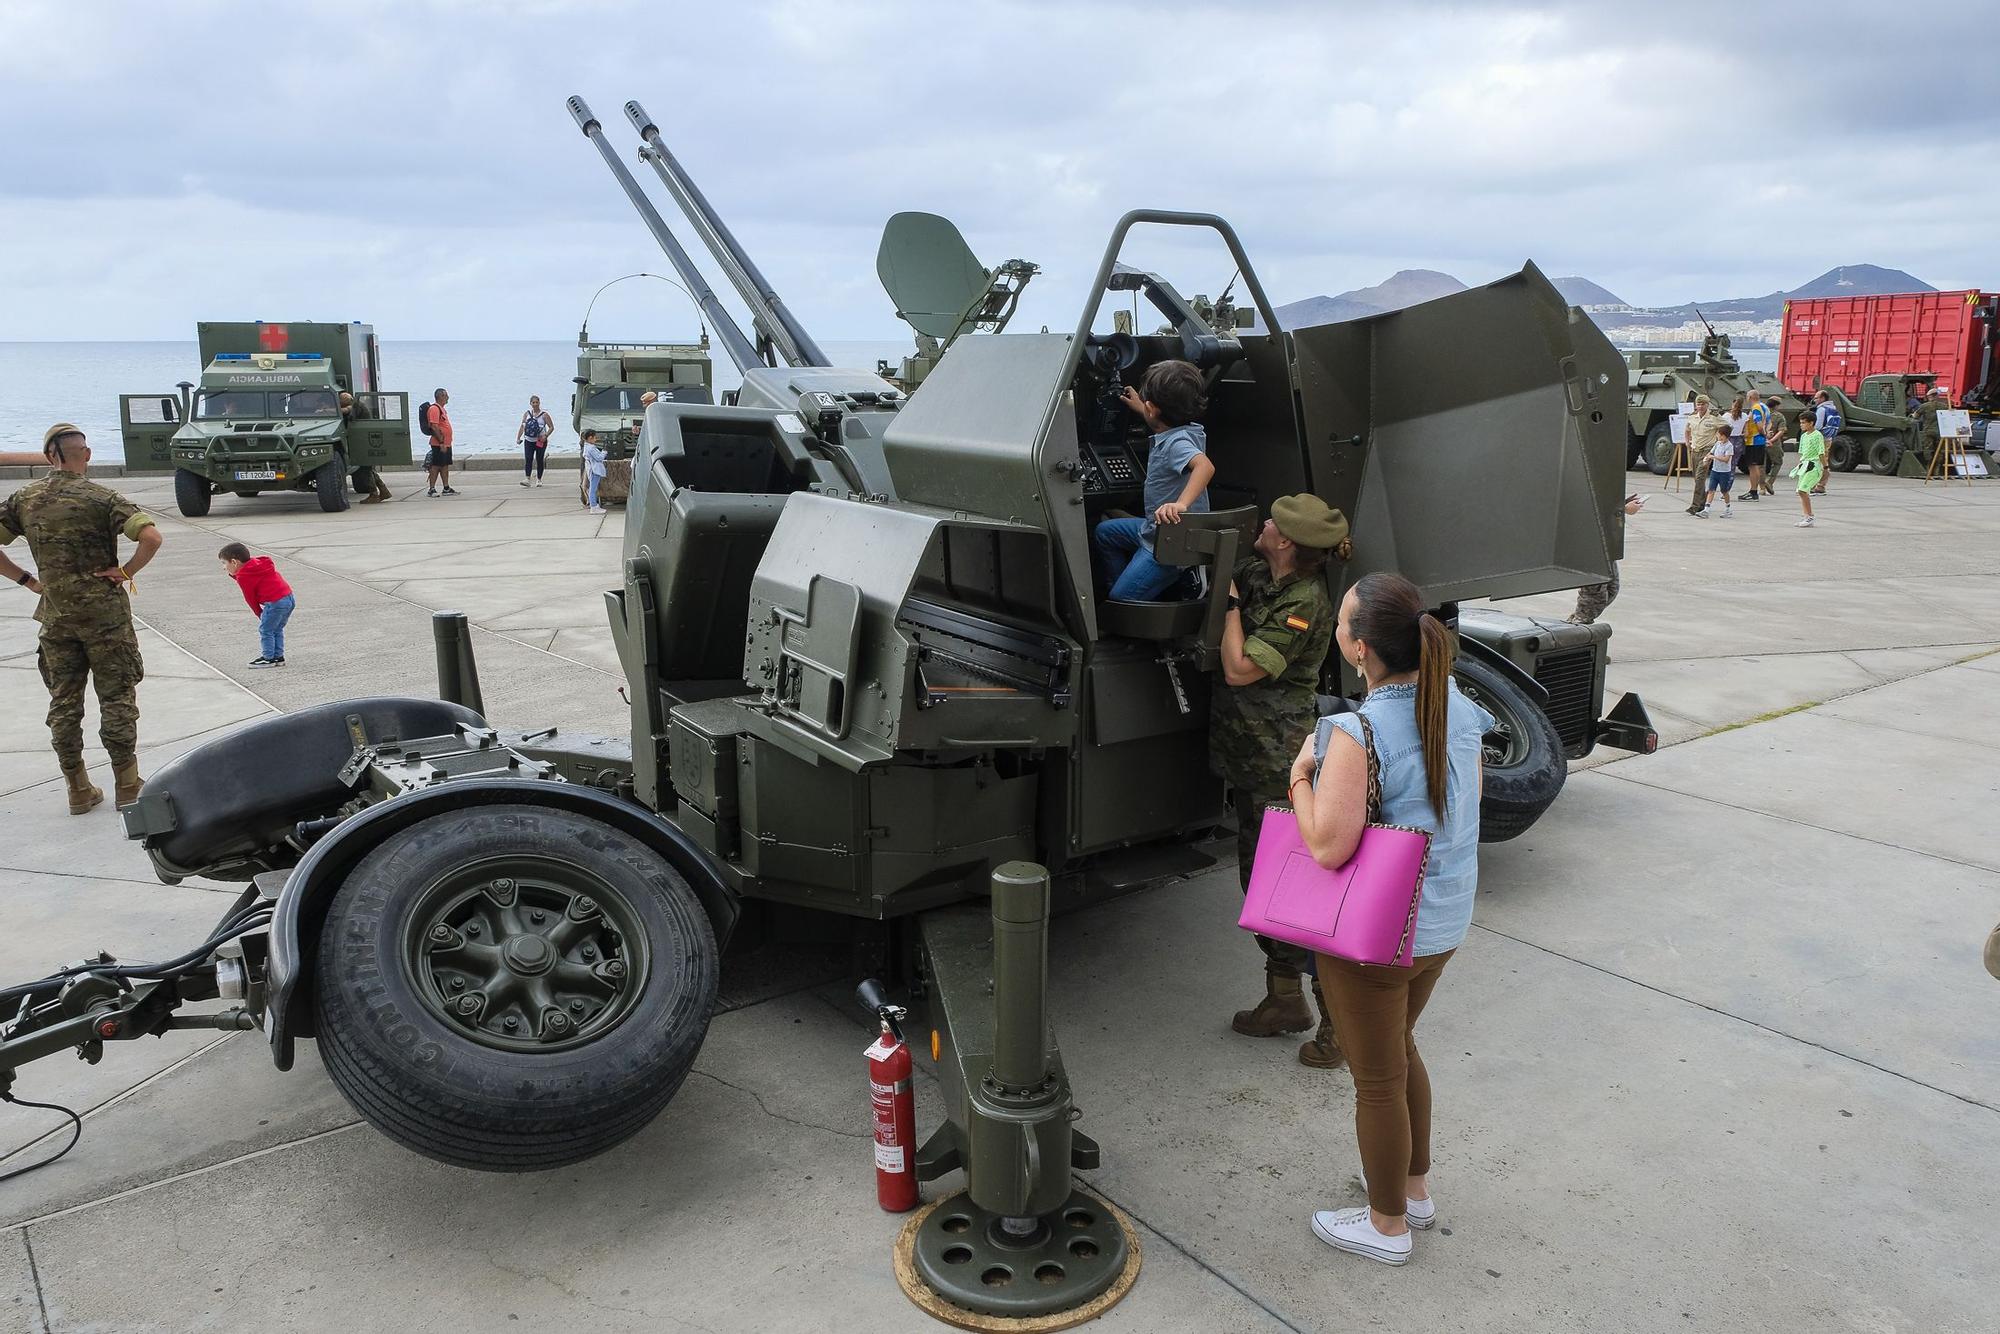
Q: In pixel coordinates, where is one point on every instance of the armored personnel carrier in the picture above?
(1660, 380)
(267, 416)
(873, 689)
(612, 379)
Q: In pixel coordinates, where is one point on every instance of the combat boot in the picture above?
(1322, 1050)
(130, 785)
(83, 796)
(1283, 1010)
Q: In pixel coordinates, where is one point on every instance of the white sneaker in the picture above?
(1727, 513)
(597, 509)
(1804, 523)
(1351, 1230)
(524, 481)
(538, 481)
(1702, 513)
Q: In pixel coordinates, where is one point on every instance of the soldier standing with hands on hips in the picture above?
(73, 525)
(1275, 638)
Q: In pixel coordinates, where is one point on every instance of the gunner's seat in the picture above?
(1213, 541)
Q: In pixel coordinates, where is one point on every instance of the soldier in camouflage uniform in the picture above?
(72, 526)
(1274, 641)
(1929, 438)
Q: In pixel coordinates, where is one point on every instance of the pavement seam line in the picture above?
(35, 1273)
(1984, 644)
(171, 741)
(146, 1187)
(1607, 771)
(1226, 1279)
(1737, 1018)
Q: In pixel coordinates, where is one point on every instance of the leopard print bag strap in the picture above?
(1374, 769)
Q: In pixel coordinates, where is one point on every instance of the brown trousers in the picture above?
(1375, 1011)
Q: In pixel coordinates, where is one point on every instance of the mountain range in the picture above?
(1407, 287)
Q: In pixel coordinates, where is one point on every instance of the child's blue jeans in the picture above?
(595, 478)
(1131, 570)
(271, 625)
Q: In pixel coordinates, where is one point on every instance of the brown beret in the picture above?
(1309, 521)
(56, 432)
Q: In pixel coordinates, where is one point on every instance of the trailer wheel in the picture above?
(1525, 765)
(513, 988)
(330, 484)
(192, 494)
(1659, 449)
(1884, 453)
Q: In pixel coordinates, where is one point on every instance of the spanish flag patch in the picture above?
(1298, 622)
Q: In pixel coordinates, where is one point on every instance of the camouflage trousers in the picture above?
(1280, 959)
(1592, 599)
(110, 658)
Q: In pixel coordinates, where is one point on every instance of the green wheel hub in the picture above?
(1020, 1268)
(527, 954)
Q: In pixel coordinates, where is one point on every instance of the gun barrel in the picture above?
(778, 323)
(734, 341)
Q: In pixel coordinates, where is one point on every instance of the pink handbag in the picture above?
(1364, 910)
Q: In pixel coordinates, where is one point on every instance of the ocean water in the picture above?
(489, 383)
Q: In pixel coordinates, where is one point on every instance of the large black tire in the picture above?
(1844, 454)
(1525, 765)
(1660, 449)
(192, 494)
(330, 484)
(1885, 451)
(462, 1094)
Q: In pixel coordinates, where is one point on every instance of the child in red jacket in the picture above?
(268, 595)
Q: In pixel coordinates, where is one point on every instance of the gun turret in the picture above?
(776, 326)
(739, 347)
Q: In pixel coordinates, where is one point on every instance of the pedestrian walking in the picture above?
(1593, 599)
(1426, 755)
(533, 438)
(1275, 637)
(593, 468)
(73, 525)
(1721, 471)
(269, 596)
(1756, 442)
(1812, 455)
(1828, 422)
(436, 423)
(1701, 429)
(1774, 445)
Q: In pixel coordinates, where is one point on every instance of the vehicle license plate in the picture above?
(257, 475)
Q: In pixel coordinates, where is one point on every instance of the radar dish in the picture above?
(929, 272)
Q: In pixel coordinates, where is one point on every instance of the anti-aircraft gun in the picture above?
(871, 678)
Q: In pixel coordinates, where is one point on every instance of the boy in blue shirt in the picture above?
(1169, 398)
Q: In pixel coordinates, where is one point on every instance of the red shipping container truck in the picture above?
(1838, 340)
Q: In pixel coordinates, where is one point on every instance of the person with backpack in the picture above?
(435, 422)
(1827, 421)
(533, 438)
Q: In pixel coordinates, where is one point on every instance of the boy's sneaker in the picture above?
(448, 491)
(1351, 1230)
(524, 481)
(433, 491)
(263, 662)
(597, 509)
(1751, 496)
(1804, 523)
(1726, 513)
(1701, 513)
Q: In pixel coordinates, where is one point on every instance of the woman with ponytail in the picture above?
(1427, 743)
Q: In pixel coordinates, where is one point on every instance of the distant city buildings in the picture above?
(1628, 333)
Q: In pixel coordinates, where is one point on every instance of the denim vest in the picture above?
(1445, 913)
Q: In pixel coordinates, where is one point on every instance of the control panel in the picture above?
(1109, 468)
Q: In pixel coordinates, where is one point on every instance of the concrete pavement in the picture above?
(1719, 1053)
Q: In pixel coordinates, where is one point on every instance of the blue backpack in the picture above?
(1834, 421)
(531, 426)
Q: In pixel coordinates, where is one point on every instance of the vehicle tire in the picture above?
(330, 483)
(1843, 454)
(192, 494)
(582, 1026)
(364, 481)
(1525, 765)
(1885, 451)
(1659, 449)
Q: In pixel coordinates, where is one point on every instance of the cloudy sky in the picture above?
(412, 164)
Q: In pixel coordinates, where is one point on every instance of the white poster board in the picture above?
(1969, 464)
(1955, 422)
(1677, 429)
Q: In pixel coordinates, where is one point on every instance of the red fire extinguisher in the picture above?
(894, 1102)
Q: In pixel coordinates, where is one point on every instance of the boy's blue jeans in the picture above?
(1133, 573)
(271, 625)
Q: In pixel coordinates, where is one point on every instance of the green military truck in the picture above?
(612, 378)
(1659, 380)
(1877, 428)
(267, 416)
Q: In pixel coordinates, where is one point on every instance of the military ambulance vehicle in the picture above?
(612, 378)
(267, 416)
